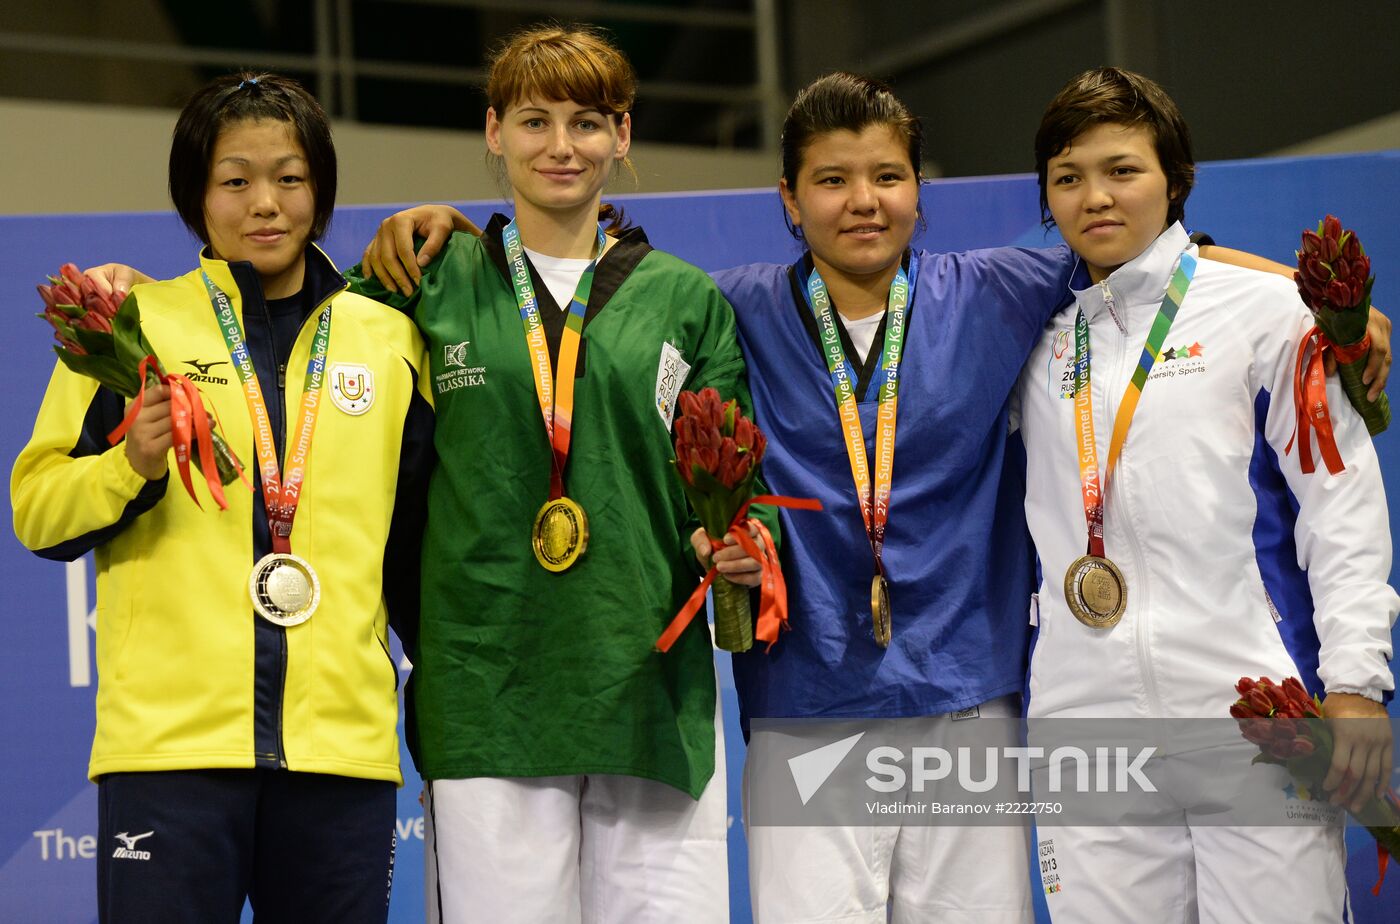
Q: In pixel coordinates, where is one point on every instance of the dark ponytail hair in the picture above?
(843, 101)
(248, 96)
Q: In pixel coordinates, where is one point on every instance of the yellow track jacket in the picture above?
(189, 676)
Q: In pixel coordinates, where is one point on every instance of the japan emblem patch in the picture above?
(352, 387)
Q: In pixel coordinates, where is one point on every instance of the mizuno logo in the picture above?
(129, 851)
(203, 368)
(130, 839)
(201, 373)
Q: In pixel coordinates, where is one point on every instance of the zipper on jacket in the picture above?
(281, 701)
(1139, 594)
(282, 403)
(1111, 306)
(281, 398)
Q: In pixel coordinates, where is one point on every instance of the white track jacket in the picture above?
(1236, 563)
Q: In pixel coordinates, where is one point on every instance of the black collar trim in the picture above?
(798, 274)
(321, 281)
(612, 271)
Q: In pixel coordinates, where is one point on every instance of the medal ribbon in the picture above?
(1095, 491)
(280, 497)
(874, 500)
(555, 393)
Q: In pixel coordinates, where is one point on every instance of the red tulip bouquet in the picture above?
(1334, 278)
(1288, 728)
(718, 450)
(103, 340)
(717, 454)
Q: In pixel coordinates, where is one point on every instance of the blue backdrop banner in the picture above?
(47, 676)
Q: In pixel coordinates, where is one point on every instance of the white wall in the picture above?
(67, 157)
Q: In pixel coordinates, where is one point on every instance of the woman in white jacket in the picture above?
(1211, 555)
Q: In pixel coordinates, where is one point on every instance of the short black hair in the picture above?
(240, 97)
(1113, 95)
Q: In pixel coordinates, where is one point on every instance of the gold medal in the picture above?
(880, 610)
(560, 536)
(284, 588)
(1096, 592)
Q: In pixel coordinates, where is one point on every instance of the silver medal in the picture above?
(284, 588)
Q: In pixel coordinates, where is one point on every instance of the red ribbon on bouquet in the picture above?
(1383, 855)
(772, 611)
(1310, 398)
(189, 429)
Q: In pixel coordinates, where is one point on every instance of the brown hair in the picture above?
(557, 63)
(843, 101)
(554, 62)
(1112, 95)
(248, 96)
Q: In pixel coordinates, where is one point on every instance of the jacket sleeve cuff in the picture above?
(118, 476)
(1374, 695)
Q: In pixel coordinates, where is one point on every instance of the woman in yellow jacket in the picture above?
(245, 747)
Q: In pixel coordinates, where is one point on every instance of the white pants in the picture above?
(942, 873)
(599, 849)
(1181, 868)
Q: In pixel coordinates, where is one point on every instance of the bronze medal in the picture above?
(560, 535)
(284, 588)
(1096, 592)
(880, 610)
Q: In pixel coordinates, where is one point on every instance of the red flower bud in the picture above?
(690, 405)
(743, 467)
(712, 414)
(743, 433)
(1258, 702)
(1312, 244)
(91, 320)
(1244, 686)
(1331, 228)
(1338, 294)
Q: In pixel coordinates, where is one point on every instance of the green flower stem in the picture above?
(733, 617)
(1375, 413)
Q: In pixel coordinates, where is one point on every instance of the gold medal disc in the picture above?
(560, 535)
(284, 588)
(1096, 592)
(880, 610)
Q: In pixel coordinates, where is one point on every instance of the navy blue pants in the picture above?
(191, 845)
